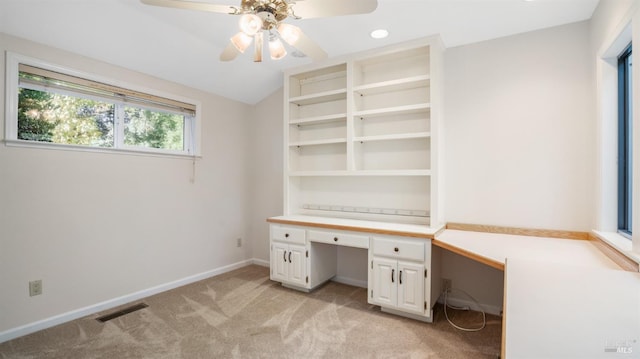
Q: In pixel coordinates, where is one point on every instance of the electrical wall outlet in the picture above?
(446, 284)
(238, 242)
(35, 287)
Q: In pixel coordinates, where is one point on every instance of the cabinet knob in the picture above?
(286, 235)
(396, 249)
(335, 239)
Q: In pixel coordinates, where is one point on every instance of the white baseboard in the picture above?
(111, 303)
(260, 262)
(460, 302)
(350, 281)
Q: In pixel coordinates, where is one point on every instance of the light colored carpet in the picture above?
(242, 314)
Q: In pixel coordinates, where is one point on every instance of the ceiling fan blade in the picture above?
(229, 53)
(310, 48)
(191, 5)
(293, 36)
(308, 9)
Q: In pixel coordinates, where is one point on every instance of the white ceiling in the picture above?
(183, 46)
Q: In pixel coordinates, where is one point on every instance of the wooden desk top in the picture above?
(493, 249)
(386, 228)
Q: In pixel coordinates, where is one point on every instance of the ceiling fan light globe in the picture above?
(241, 41)
(229, 53)
(276, 49)
(289, 33)
(250, 24)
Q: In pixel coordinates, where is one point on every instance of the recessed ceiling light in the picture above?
(379, 34)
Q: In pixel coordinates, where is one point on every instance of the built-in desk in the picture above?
(563, 298)
(403, 271)
(555, 310)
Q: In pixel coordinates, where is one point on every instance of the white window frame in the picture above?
(13, 60)
(607, 96)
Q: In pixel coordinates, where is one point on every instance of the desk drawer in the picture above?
(398, 248)
(341, 239)
(288, 234)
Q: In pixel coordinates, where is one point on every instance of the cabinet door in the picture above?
(411, 287)
(385, 279)
(279, 261)
(297, 265)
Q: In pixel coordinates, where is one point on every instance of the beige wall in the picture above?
(96, 226)
(606, 18)
(265, 170)
(519, 129)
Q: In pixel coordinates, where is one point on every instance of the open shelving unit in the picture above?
(362, 135)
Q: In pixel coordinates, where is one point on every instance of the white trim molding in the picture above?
(112, 303)
(625, 32)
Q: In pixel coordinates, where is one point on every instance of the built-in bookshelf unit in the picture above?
(361, 135)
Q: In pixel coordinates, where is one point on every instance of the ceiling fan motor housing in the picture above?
(270, 11)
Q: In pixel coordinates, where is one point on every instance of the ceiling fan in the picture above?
(266, 17)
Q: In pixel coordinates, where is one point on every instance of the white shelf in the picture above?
(318, 173)
(393, 85)
(363, 173)
(401, 136)
(361, 133)
(319, 119)
(393, 110)
(329, 141)
(394, 173)
(326, 96)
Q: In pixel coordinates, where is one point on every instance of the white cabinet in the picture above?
(289, 264)
(361, 159)
(398, 284)
(302, 258)
(361, 135)
(402, 277)
(289, 256)
(398, 275)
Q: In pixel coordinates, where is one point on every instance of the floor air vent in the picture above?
(121, 312)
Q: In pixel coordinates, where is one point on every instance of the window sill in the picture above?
(123, 151)
(620, 243)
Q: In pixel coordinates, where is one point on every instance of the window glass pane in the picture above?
(625, 142)
(153, 129)
(57, 108)
(51, 117)
(629, 132)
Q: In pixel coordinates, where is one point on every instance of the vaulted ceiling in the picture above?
(184, 46)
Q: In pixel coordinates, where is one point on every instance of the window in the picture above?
(47, 105)
(625, 153)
